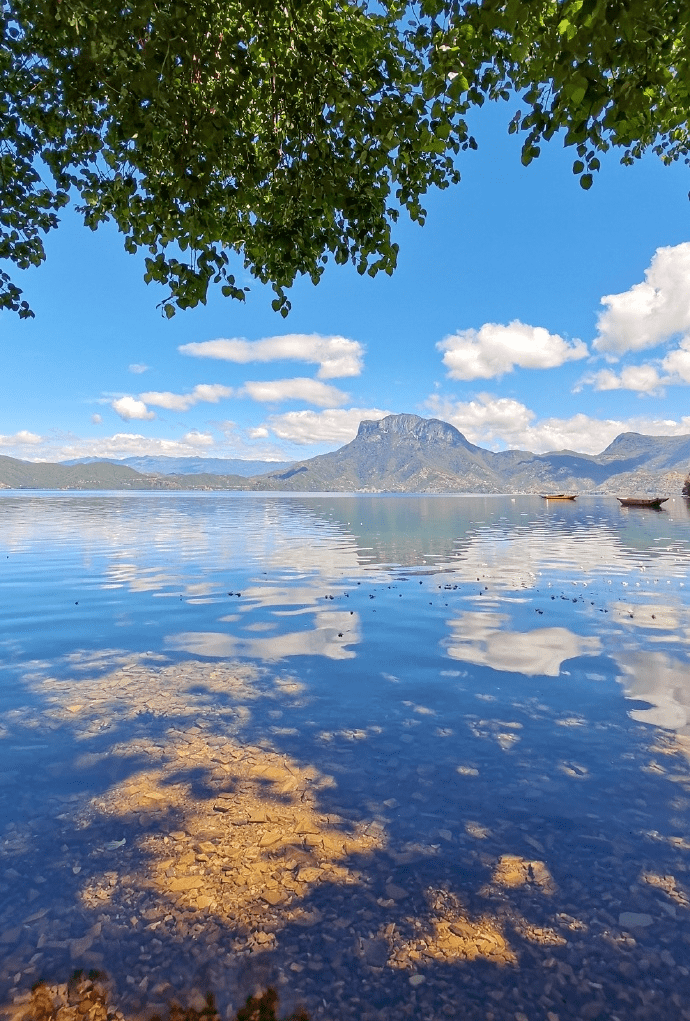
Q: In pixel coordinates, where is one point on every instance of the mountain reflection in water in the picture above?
(392, 754)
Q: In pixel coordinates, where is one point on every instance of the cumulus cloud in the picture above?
(652, 311)
(129, 408)
(169, 401)
(337, 425)
(137, 368)
(260, 433)
(672, 370)
(299, 389)
(209, 392)
(498, 422)
(484, 420)
(494, 350)
(20, 439)
(336, 356)
(96, 419)
(641, 378)
(677, 363)
(196, 439)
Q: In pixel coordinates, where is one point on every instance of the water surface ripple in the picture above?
(416, 754)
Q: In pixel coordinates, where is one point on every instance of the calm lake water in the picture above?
(485, 699)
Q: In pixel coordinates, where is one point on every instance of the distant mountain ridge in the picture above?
(101, 475)
(399, 454)
(165, 465)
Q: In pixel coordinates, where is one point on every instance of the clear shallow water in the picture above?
(494, 683)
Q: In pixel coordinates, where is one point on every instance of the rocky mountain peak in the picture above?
(422, 430)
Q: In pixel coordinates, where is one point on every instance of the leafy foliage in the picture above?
(288, 133)
(599, 73)
(295, 133)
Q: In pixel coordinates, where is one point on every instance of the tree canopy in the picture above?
(296, 132)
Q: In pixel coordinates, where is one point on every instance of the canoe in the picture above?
(558, 496)
(632, 501)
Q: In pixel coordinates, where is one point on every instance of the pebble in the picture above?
(273, 897)
(634, 920)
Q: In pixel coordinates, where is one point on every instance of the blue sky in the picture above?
(494, 321)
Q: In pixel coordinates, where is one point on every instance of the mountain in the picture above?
(163, 465)
(405, 453)
(399, 454)
(15, 474)
(654, 452)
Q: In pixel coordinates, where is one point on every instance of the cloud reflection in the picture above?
(478, 638)
(668, 622)
(333, 633)
(660, 679)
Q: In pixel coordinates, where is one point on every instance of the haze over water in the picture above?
(486, 698)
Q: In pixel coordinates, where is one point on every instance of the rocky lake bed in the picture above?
(216, 864)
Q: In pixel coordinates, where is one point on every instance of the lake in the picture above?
(397, 756)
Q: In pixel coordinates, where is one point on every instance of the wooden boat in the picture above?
(558, 496)
(654, 502)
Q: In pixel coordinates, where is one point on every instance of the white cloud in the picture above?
(579, 432)
(20, 439)
(138, 368)
(96, 419)
(332, 426)
(129, 407)
(336, 356)
(299, 389)
(677, 363)
(65, 447)
(642, 378)
(196, 439)
(169, 401)
(645, 378)
(651, 312)
(495, 349)
(209, 392)
(498, 422)
(484, 420)
(253, 443)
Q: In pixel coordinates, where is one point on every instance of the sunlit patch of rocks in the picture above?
(205, 858)
(256, 843)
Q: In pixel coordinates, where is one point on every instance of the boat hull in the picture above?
(630, 501)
